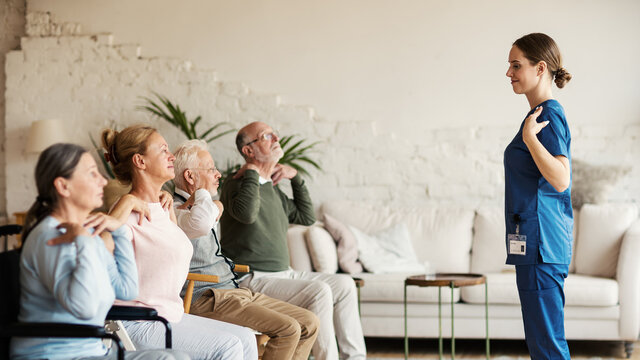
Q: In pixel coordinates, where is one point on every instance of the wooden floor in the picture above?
(475, 349)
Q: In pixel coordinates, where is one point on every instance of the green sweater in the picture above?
(256, 218)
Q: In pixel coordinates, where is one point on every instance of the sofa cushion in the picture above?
(388, 251)
(502, 290)
(440, 234)
(298, 253)
(600, 235)
(488, 252)
(390, 288)
(347, 245)
(322, 249)
(579, 290)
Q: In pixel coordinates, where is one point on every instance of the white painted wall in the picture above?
(410, 97)
(405, 64)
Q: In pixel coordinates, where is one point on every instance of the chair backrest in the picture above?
(6, 230)
(10, 289)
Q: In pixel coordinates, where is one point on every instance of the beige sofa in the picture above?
(602, 291)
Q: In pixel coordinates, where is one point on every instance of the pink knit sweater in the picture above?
(163, 253)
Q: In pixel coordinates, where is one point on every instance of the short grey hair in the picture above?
(186, 157)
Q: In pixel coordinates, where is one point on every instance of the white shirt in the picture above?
(201, 218)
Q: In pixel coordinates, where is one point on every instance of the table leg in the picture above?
(359, 312)
(440, 322)
(453, 337)
(406, 335)
(486, 316)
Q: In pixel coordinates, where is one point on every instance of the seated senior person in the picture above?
(69, 273)
(254, 232)
(292, 330)
(140, 156)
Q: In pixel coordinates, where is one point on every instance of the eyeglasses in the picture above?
(265, 136)
(213, 169)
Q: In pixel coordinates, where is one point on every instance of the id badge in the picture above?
(517, 244)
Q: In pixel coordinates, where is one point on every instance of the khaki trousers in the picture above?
(292, 330)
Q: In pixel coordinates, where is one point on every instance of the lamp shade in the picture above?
(44, 133)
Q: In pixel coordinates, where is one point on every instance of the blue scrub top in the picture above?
(545, 216)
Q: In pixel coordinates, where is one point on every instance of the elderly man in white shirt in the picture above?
(292, 330)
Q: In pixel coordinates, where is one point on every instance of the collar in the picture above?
(263, 180)
(182, 194)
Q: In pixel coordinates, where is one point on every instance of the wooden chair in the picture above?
(261, 339)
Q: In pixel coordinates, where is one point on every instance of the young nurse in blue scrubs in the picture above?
(538, 213)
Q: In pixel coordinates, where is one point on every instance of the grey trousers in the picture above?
(332, 297)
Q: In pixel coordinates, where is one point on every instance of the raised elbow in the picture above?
(562, 185)
(561, 188)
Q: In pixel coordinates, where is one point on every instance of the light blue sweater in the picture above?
(71, 283)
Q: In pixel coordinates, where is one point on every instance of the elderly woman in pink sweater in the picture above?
(140, 156)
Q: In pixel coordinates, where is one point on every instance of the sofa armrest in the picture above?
(299, 257)
(628, 276)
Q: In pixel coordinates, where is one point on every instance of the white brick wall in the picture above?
(12, 21)
(92, 82)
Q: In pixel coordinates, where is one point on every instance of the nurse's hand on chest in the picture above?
(532, 127)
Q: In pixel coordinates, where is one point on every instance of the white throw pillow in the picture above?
(322, 249)
(600, 232)
(387, 251)
(488, 251)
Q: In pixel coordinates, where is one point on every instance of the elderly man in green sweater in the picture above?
(254, 232)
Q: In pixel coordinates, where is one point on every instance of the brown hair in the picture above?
(122, 145)
(58, 160)
(541, 47)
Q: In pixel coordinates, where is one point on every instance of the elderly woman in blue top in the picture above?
(68, 273)
(538, 214)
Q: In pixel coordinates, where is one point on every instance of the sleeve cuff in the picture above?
(123, 231)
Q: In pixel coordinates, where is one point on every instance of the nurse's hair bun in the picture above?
(561, 77)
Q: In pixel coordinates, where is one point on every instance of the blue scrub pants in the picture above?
(541, 290)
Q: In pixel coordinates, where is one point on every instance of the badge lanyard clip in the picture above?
(517, 242)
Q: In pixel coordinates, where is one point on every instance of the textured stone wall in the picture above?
(91, 81)
(12, 20)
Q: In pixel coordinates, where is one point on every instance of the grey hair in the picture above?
(186, 157)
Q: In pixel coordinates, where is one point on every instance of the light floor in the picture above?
(474, 349)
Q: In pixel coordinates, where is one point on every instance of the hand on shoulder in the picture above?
(281, 171)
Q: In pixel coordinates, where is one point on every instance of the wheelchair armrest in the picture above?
(60, 330)
(52, 330)
(119, 312)
(132, 313)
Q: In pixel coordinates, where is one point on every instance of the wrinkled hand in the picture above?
(139, 206)
(72, 230)
(189, 203)
(100, 222)
(166, 200)
(531, 127)
(218, 203)
(245, 167)
(282, 172)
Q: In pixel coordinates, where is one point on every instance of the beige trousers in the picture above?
(292, 330)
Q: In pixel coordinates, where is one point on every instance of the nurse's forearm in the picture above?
(555, 169)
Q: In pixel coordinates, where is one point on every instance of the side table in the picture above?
(452, 281)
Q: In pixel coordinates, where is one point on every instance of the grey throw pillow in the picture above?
(347, 245)
(592, 184)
